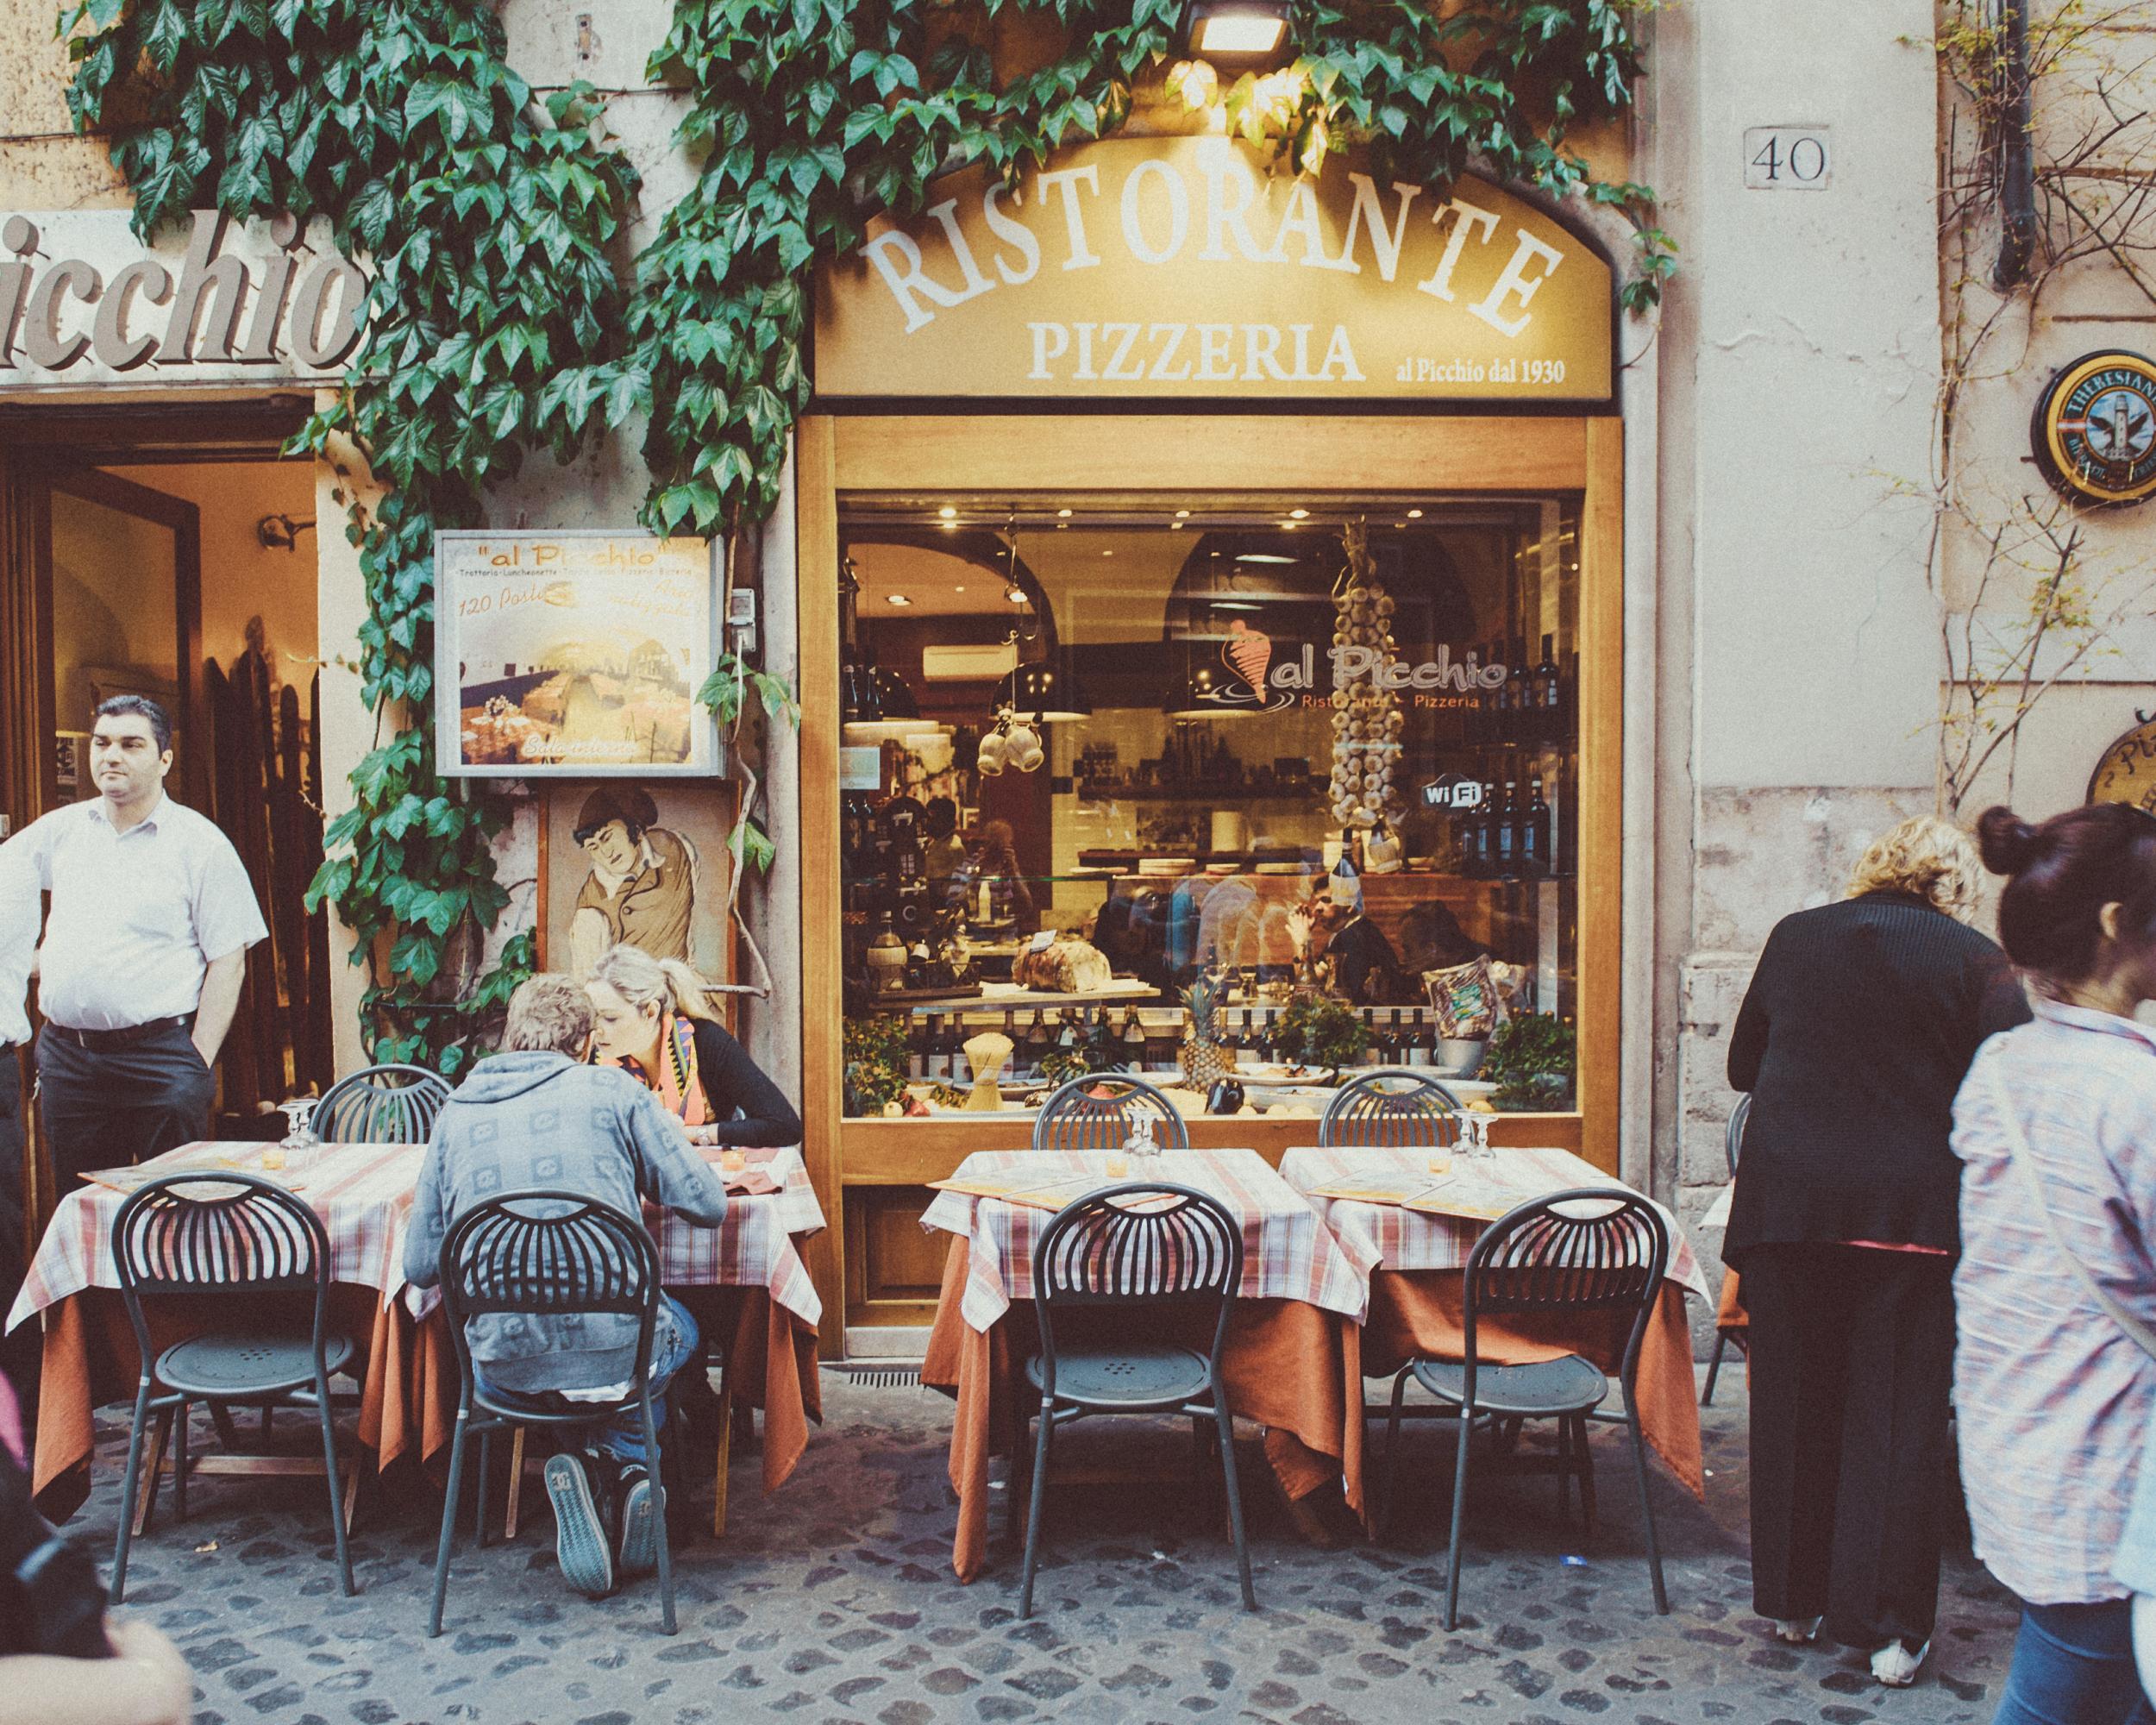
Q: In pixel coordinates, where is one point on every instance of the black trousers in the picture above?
(1852, 1355)
(107, 1107)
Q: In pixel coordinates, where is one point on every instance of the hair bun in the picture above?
(2007, 842)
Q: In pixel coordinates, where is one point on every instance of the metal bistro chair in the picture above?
(1390, 1109)
(1073, 1117)
(1141, 1244)
(1732, 1146)
(214, 1232)
(588, 1257)
(381, 1105)
(1534, 1258)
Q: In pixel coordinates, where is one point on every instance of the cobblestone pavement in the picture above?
(834, 1601)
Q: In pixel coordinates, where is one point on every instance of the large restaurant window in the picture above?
(1094, 756)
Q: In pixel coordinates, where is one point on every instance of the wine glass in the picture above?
(299, 1131)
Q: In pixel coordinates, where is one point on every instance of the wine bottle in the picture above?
(1486, 831)
(1475, 695)
(1133, 1040)
(921, 1047)
(1506, 832)
(1417, 1047)
(1549, 695)
(1534, 832)
(1519, 724)
(1343, 885)
(1038, 1044)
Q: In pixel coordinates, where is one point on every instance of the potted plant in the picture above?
(1530, 1058)
(876, 1054)
(1323, 1031)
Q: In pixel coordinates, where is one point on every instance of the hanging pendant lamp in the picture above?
(1044, 690)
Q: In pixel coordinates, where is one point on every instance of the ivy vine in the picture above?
(811, 116)
(494, 325)
(499, 324)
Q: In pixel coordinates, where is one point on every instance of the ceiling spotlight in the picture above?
(1414, 515)
(897, 598)
(1245, 31)
(1182, 515)
(958, 586)
(1062, 514)
(947, 512)
(1107, 554)
(1015, 594)
(1299, 515)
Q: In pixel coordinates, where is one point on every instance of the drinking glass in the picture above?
(299, 1114)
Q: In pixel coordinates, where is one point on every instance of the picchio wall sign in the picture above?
(2094, 429)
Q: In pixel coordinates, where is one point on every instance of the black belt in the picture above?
(104, 1041)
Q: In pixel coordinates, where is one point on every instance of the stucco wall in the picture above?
(1799, 371)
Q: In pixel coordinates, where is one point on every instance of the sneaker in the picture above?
(1897, 1664)
(1798, 1630)
(580, 1541)
(642, 1502)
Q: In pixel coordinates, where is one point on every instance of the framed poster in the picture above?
(626, 863)
(573, 653)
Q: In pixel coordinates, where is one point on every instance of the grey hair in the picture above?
(643, 981)
(549, 1014)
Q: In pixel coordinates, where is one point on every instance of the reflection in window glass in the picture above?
(1125, 787)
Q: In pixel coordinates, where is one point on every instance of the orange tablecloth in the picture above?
(407, 1375)
(1419, 1311)
(1293, 1367)
(1298, 1371)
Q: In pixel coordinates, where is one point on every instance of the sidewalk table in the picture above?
(1416, 1289)
(1292, 1362)
(363, 1194)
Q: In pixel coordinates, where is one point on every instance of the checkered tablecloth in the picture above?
(1286, 1253)
(363, 1194)
(1394, 1237)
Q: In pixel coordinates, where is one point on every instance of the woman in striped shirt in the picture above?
(2056, 1129)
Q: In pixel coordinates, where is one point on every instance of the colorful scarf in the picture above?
(679, 1084)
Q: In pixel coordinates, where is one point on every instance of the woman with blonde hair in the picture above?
(1860, 1025)
(652, 1018)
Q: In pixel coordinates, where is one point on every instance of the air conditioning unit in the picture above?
(979, 664)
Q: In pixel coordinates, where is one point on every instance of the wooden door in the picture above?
(119, 581)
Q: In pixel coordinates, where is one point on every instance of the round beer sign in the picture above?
(2095, 428)
(2126, 774)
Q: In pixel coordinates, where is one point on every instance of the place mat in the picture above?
(220, 1159)
(1051, 1193)
(1478, 1197)
(1402, 1191)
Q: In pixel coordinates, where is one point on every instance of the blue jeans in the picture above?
(2073, 1664)
(674, 1339)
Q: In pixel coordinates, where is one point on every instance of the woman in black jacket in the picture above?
(1860, 1022)
(651, 1018)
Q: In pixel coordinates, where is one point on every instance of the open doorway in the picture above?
(182, 565)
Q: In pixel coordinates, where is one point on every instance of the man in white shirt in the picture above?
(145, 950)
(18, 942)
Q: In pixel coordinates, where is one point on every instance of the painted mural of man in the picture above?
(641, 889)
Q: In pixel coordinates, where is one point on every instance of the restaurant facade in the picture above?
(1190, 573)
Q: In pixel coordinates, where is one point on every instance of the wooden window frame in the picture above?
(1070, 455)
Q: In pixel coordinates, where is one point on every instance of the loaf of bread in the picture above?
(1064, 966)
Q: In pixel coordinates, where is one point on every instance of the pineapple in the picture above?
(1202, 1058)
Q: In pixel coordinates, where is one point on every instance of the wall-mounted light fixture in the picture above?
(1242, 33)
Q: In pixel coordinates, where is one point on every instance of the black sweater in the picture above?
(733, 1082)
(1858, 1029)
